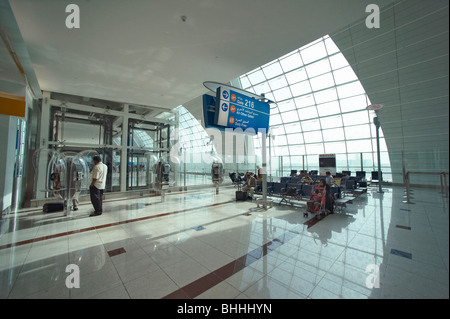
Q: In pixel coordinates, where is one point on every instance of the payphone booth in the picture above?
(51, 172)
(62, 176)
(161, 172)
(217, 173)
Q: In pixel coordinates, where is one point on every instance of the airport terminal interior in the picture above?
(212, 149)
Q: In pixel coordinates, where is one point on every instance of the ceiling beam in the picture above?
(87, 108)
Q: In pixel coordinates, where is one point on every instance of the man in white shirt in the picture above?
(329, 178)
(98, 183)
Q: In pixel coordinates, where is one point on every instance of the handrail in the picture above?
(443, 181)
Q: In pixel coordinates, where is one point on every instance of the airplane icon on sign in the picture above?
(225, 94)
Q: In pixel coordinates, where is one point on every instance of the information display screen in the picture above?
(327, 163)
(236, 110)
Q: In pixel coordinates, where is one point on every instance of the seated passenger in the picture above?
(321, 197)
(306, 179)
(317, 199)
(250, 184)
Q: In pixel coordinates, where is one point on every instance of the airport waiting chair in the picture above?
(336, 192)
(277, 189)
(285, 180)
(258, 188)
(361, 174)
(349, 186)
(306, 191)
(296, 180)
(291, 191)
(374, 176)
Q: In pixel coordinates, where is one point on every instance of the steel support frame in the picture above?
(44, 133)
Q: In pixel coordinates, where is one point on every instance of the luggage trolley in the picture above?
(316, 205)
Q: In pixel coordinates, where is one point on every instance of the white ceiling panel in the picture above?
(142, 51)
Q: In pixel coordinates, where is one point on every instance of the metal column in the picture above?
(44, 132)
(124, 151)
(377, 125)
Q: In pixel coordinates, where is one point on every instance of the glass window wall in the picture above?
(320, 108)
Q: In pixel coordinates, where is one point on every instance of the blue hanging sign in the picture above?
(236, 110)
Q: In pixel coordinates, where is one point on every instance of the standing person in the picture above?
(98, 183)
(259, 174)
(329, 178)
(329, 199)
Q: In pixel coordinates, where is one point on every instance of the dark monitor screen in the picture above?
(327, 162)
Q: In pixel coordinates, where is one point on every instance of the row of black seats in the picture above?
(299, 191)
(360, 175)
(298, 179)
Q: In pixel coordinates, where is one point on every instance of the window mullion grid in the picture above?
(339, 103)
(282, 121)
(315, 103)
(297, 108)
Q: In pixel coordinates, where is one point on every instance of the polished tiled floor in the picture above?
(202, 245)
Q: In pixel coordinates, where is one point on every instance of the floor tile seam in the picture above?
(124, 284)
(437, 241)
(170, 277)
(293, 274)
(408, 287)
(114, 285)
(282, 284)
(191, 228)
(51, 285)
(268, 241)
(288, 286)
(169, 213)
(340, 245)
(20, 272)
(108, 201)
(224, 253)
(116, 223)
(244, 261)
(344, 280)
(340, 295)
(412, 270)
(66, 221)
(71, 219)
(377, 256)
(162, 236)
(318, 277)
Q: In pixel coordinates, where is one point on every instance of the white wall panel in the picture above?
(404, 65)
